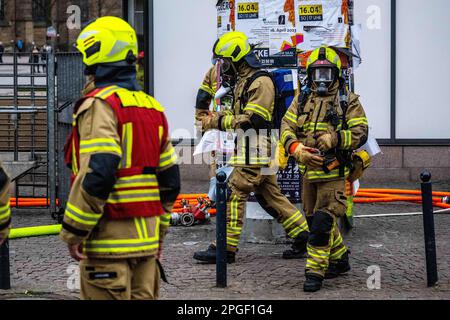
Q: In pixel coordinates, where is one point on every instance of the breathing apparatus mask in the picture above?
(323, 78)
(228, 72)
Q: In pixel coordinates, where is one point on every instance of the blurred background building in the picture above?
(28, 19)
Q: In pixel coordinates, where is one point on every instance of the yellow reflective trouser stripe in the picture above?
(142, 180)
(347, 141)
(234, 230)
(100, 145)
(167, 158)
(5, 212)
(128, 196)
(228, 122)
(127, 145)
(232, 242)
(207, 89)
(76, 214)
(295, 217)
(298, 229)
(319, 254)
(106, 91)
(338, 254)
(118, 246)
(234, 211)
(357, 121)
(337, 242)
(291, 117)
(311, 264)
(259, 110)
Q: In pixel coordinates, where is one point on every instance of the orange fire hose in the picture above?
(363, 196)
(401, 191)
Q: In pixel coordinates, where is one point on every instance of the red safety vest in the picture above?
(142, 127)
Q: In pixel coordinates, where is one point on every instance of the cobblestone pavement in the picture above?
(41, 267)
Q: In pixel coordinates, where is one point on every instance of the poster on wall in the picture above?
(225, 17)
(322, 22)
(271, 25)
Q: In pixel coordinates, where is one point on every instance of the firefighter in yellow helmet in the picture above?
(250, 119)
(125, 176)
(321, 129)
(5, 210)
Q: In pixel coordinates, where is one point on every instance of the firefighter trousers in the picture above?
(242, 182)
(120, 279)
(323, 204)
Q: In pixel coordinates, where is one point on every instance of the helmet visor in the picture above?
(323, 75)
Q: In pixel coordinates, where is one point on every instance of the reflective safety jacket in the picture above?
(117, 214)
(253, 149)
(5, 210)
(314, 119)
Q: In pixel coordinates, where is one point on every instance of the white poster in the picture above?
(225, 17)
(271, 25)
(322, 22)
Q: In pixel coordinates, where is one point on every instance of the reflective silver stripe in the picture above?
(82, 217)
(93, 245)
(102, 94)
(128, 181)
(115, 196)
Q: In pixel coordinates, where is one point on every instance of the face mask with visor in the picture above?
(227, 72)
(323, 77)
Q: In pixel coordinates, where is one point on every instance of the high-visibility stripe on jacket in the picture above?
(140, 123)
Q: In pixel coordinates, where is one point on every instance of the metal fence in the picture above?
(36, 103)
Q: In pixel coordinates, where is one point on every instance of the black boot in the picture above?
(312, 283)
(299, 247)
(209, 255)
(339, 267)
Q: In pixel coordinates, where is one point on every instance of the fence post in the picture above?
(5, 281)
(51, 101)
(428, 226)
(221, 230)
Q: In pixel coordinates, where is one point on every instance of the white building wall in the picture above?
(423, 69)
(186, 30)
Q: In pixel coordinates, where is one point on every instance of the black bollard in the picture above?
(428, 226)
(221, 230)
(5, 281)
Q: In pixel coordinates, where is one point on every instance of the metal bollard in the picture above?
(221, 230)
(428, 226)
(5, 280)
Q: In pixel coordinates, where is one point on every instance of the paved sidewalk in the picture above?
(41, 267)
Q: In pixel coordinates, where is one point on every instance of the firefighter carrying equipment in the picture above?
(108, 40)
